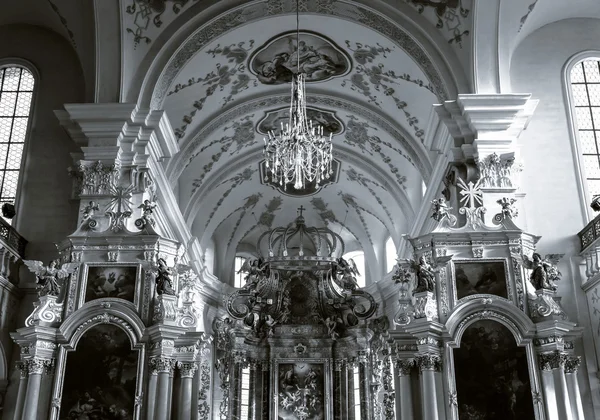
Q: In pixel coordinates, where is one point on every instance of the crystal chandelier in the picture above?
(301, 153)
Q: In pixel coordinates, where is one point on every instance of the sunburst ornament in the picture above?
(301, 154)
(471, 197)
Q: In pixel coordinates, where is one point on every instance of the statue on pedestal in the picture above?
(544, 271)
(440, 211)
(345, 273)
(164, 283)
(424, 272)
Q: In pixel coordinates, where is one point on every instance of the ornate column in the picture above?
(556, 394)
(187, 370)
(389, 389)
(34, 407)
(365, 389)
(23, 377)
(164, 367)
(404, 402)
(571, 367)
(253, 395)
(350, 386)
(338, 365)
(430, 366)
(266, 370)
(235, 390)
(152, 382)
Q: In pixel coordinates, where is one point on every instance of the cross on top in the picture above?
(300, 210)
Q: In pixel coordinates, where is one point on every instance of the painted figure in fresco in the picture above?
(164, 284)
(543, 270)
(48, 276)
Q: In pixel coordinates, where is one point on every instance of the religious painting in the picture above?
(114, 281)
(314, 55)
(301, 391)
(100, 376)
(492, 375)
(481, 277)
(273, 120)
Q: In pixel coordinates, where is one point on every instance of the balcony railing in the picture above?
(10, 239)
(590, 234)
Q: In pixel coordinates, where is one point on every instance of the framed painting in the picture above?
(100, 377)
(302, 389)
(111, 280)
(481, 276)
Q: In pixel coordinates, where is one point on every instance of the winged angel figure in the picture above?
(345, 273)
(163, 275)
(255, 269)
(543, 270)
(424, 271)
(48, 276)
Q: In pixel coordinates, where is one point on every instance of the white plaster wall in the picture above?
(553, 203)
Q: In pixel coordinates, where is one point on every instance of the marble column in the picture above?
(571, 366)
(365, 389)
(344, 390)
(187, 370)
(266, 389)
(24, 375)
(404, 402)
(337, 389)
(32, 407)
(236, 387)
(351, 386)
(253, 400)
(164, 367)
(556, 394)
(430, 365)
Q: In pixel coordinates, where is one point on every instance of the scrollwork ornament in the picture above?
(544, 306)
(46, 311)
(425, 306)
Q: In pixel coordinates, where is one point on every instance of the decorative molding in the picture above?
(405, 366)
(552, 360)
(187, 369)
(499, 172)
(38, 366)
(429, 361)
(162, 365)
(94, 178)
(572, 364)
(425, 306)
(46, 312)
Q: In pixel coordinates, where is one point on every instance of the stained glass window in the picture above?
(585, 89)
(16, 93)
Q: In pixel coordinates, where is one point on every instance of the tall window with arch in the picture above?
(359, 259)
(390, 254)
(584, 82)
(16, 95)
(239, 276)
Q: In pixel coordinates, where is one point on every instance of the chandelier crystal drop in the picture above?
(301, 153)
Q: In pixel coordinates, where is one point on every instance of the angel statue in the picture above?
(47, 277)
(544, 272)
(441, 210)
(425, 272)
(345, 273)
(164, 283)
(148, 207)
(88, 211)
(256, 269)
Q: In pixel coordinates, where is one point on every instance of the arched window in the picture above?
(359, 259)
(584, 82)
(239, 276)
(16, 94)
(390, 255)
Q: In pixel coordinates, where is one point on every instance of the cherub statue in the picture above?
(148, 207)
(270, 325)
(441, 210)
(345, 273)
(88, 211)
(164, 283)
(47, 277)
(544, 272)
(256, 269)
(424, 272)
(333, 324)
(508, 208)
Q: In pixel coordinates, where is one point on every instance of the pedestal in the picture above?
(425, 307)
(165, 310)
(46, 312)
(545, 307)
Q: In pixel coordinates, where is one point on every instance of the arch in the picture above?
(582, 186)
(208, 20)
(102, 313)
(500, 311)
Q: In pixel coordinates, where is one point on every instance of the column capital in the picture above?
(572, 364)
(429, 361)
(162, 365)
(38, 366)
(187, 369)
(552, 360)
(404, 366)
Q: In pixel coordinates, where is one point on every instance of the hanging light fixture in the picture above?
(301, 153)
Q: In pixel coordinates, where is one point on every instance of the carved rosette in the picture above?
(187, 369)
(46, 312)
(545, 306)
(429, 362)
(553, 360)
(405, 366)
(162, 365)
(425, 306)
(165, 309)
(572, 364)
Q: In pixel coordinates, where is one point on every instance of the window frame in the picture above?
(585, 198)
(26, 64)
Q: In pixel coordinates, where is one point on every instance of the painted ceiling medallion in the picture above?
(318, 58)
(310, 188)
(273, 120)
